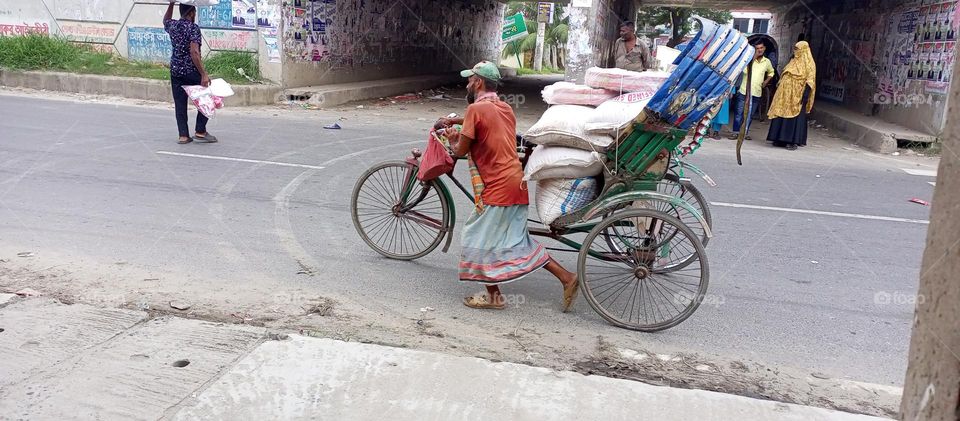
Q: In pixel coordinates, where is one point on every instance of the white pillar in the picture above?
(580, 54)
(538, 55)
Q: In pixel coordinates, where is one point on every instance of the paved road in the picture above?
(825, 292)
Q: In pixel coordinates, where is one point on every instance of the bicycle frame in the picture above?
(676, 163)
(558, 235)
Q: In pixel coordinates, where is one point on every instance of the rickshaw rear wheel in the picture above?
(687, 191)
(631, 280)
(394, 229)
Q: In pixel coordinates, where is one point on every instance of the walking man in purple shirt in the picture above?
(186, 69)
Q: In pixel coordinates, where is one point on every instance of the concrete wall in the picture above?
(867, 55)
(338, 41)
(111, 25)
(593, 30)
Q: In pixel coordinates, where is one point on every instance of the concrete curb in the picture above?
(868, 132)
(128, 87)
(338, 94)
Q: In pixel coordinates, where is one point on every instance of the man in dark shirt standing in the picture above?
(186, 68)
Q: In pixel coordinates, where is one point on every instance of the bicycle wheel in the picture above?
(671, 185)
(403, 228)
(635, 284)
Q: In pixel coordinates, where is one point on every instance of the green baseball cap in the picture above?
(484, 69)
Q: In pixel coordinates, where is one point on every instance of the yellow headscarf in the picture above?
(800, 72)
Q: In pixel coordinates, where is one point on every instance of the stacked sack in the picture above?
(615, 115)
(574, 133)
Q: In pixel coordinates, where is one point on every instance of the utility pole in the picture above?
(544, 15)
(538, 56)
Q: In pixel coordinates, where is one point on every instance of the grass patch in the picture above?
(545, 71)
(224, 65)
(39, 52)
(923, 148)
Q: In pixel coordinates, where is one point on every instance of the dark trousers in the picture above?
(180, 99)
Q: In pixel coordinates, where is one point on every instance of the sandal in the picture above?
(206, 138)
(185, 141)
(482, 302)
(570, 295)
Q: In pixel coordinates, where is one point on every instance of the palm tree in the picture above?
(555, 40)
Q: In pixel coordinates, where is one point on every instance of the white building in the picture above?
(751, 21)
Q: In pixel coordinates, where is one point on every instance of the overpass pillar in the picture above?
(593, 31)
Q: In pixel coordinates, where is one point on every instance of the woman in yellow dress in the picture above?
(793, 100)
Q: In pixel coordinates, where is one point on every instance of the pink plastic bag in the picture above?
(436, 160)
(205, 101)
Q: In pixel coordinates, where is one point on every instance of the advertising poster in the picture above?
(268, 15)
(219, 16)
(244, 14)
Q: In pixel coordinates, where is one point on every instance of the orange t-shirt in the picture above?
(493, 128)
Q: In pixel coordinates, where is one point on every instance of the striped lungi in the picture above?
(497, 247)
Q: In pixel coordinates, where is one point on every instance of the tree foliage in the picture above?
(556, 35)
(679, 19)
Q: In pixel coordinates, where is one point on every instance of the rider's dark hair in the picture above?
(489, 85)
(185, 9)
(628, 24)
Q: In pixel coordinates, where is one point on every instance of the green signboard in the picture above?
(514, 28)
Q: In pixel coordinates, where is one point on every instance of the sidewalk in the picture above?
(78, 361)
(872, 133)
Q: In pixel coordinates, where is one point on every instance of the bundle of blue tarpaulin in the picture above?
(705, 71)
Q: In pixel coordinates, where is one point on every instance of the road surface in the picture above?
(814, 263)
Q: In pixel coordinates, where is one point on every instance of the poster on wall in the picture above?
(148, 44)
(219, 16)
(244, 14)
(321, 16)
(273, 45)
(268, 15)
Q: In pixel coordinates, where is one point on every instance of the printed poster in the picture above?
(268, 16)
(273, 45)
(219, 16)
(244, 14)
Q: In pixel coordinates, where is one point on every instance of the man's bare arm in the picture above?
(462, 145)
(169, 15)
(198, 62)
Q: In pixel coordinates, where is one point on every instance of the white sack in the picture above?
(563, 125)
(548, 162)
(615, 115)
(559, 197)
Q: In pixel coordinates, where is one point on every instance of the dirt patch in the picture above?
(690, 371)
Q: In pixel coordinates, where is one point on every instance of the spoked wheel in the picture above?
(672, 186)
(628, 270)
(397, 215)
